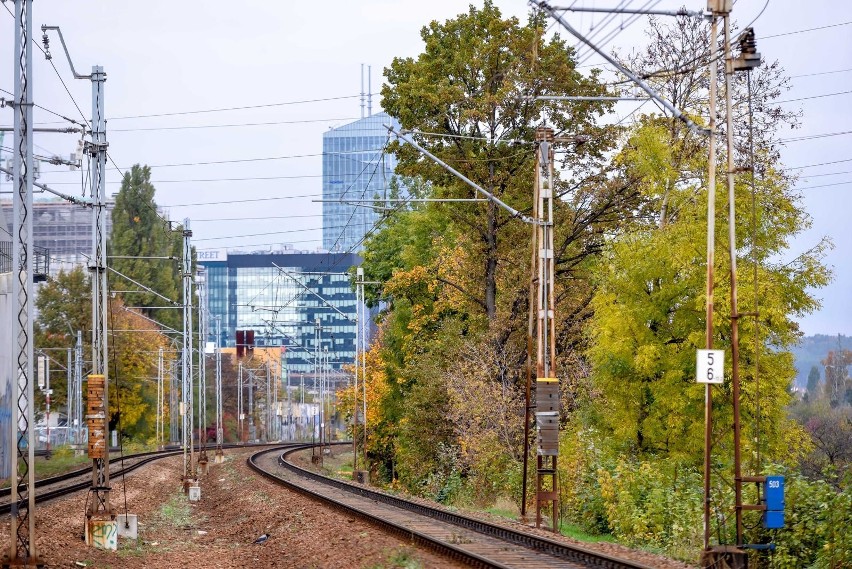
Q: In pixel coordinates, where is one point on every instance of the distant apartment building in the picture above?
(63, 229)
(354, 168)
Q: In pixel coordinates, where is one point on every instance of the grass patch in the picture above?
(400, 559)
(575, 532)
(505, 509)
(175, 513)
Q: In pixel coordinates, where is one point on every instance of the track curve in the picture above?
(465, 539)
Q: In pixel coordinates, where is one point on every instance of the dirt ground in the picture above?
(236, 507)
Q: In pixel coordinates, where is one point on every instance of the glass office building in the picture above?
(281, 296)
(354, 167)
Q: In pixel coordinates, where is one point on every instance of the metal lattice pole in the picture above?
(159, 396)
(219, 431)
(202, 372)
(186, 367)
(23, 545)
(70, 394)
(99, 504)
(174, 404)
(78, 388)
(240, 414)
(547, 383)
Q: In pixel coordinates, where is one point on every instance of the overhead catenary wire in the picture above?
(230, 125)
(236, 108)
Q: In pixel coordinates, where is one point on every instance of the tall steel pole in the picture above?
(186, 367)
(23, 542)
(359, 276)
(201, 287)
(711, 253)
(363, 322)
(251, 427)
(547, 383)
(159, 396)
(735, 315)
(70, 393)
(78, 386)
(174, 403)
(240, 413)
(219, 431)
(99, 505)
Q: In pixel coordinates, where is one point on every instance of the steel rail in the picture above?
(146, 457)
(558, 549)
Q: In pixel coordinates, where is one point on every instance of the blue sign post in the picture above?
(773, 518)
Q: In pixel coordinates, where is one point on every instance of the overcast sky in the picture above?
(167, 56)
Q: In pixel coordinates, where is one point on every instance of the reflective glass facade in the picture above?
(280, 296)
(354, 168)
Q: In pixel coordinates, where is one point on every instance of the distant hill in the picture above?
(812, 350)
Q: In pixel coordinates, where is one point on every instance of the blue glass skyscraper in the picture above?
(354, 167)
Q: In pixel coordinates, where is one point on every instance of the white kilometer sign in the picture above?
(711, 366)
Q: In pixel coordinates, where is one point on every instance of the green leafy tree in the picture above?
(813, 382)
(138, 234)
(453, 270)
(474, 88)
(64, 306)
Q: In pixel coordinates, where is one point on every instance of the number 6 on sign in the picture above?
(711, 366)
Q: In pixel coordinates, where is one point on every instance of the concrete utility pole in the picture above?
(23, 543)
(78, 389)
(186, 363)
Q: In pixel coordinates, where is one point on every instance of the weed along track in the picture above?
(465, 539)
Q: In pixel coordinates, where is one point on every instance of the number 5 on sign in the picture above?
(711, 366)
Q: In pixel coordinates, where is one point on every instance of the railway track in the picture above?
(63, 485)
(468, 540)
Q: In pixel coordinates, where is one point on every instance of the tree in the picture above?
(133, 346)
(64, 306)
(474, 89)
(813, 383)
(649, 303)
(139, 236)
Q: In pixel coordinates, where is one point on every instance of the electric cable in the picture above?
(814, 136)
(63, 117)
(210, 180)
(813, 97)
(589, 53)
(804, 31)
(818, 164)
(821, 73)
(595, 30)
(232, 125)
(240, 108)
(248, 160)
